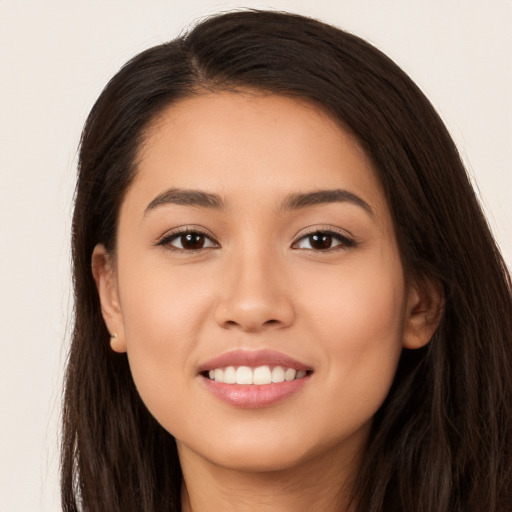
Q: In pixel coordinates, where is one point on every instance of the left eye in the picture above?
(323, 241)
(189, 241)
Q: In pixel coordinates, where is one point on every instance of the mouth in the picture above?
(254, 379)
(258, 376)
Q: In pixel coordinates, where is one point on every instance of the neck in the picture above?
(315, 485)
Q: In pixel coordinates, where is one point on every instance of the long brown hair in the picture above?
(442, 441)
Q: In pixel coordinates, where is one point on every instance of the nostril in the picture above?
(253, 315)
(246, 326)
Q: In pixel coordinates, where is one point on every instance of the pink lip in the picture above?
(252, 396)
(253, 359)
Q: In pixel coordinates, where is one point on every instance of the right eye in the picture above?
(188, 241)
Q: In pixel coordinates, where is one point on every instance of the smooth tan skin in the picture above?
(347, 311)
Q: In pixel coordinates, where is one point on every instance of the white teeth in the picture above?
(289, 374)
(230, 375)
(258, 376)
(243, 375)
(262, 375)
(278, 374)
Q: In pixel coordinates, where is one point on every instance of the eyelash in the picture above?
(344, 241)
(170, 237)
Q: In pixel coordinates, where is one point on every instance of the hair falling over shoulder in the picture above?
(442, 441)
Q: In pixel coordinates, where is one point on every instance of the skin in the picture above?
(346, 310)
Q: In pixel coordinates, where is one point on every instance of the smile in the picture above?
(254, 378)
(258, 376)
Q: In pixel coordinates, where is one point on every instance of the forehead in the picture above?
(230, 143)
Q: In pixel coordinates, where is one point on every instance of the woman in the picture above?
(295, 301)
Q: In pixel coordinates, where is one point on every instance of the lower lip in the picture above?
(251, 396)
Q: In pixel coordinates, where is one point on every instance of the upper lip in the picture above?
(252, 358)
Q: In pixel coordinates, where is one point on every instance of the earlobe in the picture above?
(104, 275)
(117, 344)
(425, 306)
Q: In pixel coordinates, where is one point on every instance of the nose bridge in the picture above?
(255, 296)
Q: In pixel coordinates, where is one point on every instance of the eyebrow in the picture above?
(307, 199)
(186, 197)
(200, 199)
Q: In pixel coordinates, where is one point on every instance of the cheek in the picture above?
(161, 303)
(362, 300)
(359, 324)
(162, 312)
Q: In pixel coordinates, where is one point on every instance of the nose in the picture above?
(255, 296)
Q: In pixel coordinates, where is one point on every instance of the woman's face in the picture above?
(255, 235)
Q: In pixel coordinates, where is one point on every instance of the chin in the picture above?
(258, 460)
(286, 451)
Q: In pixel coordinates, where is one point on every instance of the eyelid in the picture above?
(174, 233)
(347, 239)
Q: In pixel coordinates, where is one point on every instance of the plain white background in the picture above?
(55, 58)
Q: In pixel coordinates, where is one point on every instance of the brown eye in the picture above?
(320, 241)
(192, 241)
(188, 241)
(323, 241)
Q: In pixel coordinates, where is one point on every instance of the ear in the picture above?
(103, 270)
(425, 306)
